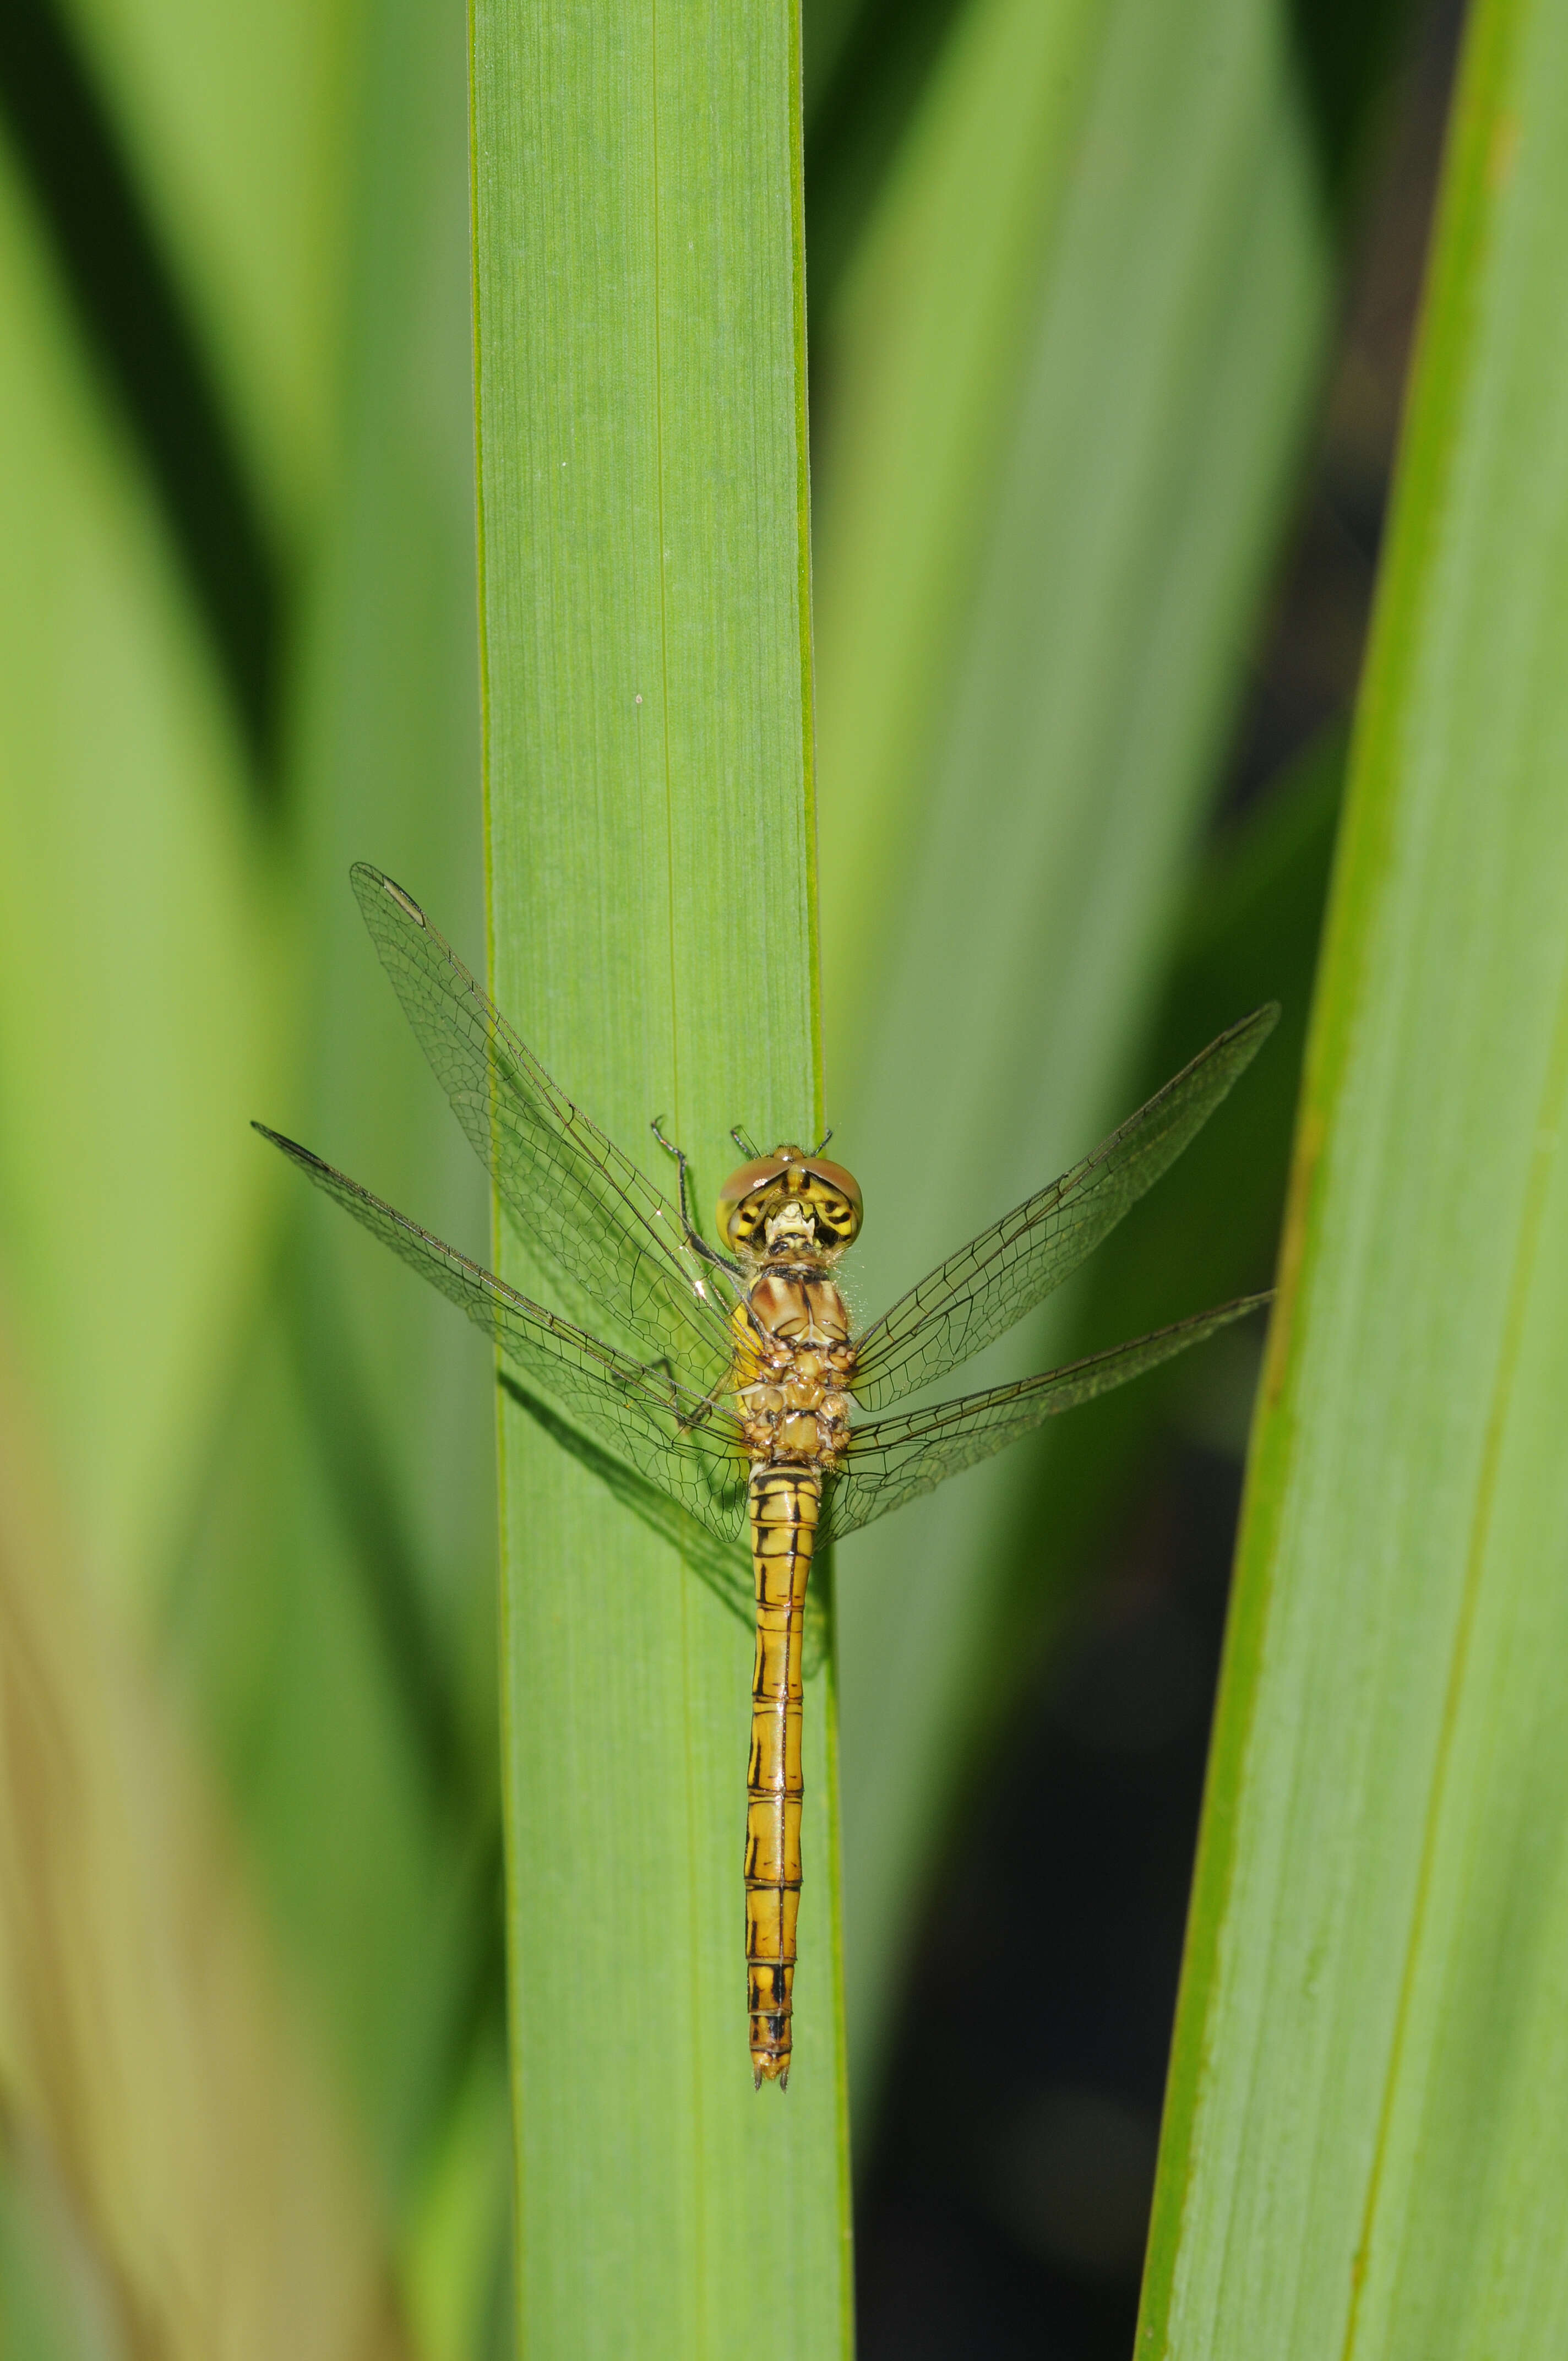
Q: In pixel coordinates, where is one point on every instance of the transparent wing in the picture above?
(977, 1294)
(896, 1459)
(577, 1202)
(689, 1449)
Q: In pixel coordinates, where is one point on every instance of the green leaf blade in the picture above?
(1364, 2150)
(651, 845)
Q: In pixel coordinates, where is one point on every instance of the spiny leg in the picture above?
(731, 1271)
(682, 1159)
(697, 1243)
(703, 1410)
(708, 1405)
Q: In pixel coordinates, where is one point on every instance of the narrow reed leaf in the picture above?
(644, 580)
(1365, 2150)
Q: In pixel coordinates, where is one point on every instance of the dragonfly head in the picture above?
(790, 1204)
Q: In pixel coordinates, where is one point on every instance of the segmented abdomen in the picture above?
(785, 1502)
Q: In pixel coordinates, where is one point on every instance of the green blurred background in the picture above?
(1110, 310)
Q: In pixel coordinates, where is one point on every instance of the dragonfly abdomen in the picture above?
(785, 1503)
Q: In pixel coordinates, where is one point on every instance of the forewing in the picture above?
(977, 1294)
(896, 1459)
(659, 1427)
(578, 1202)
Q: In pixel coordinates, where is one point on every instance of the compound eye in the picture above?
(834, 1213)
(750, 1218)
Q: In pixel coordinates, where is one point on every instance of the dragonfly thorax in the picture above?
(800, 1313)
(794, 1367)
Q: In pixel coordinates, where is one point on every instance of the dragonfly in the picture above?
(729, 1376)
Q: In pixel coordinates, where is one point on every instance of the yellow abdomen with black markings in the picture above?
(793, 1364)
(784, 1506)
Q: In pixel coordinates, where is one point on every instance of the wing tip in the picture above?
(1222, 1315)
(1256, 1026)
(290, 1147)
(365, 878)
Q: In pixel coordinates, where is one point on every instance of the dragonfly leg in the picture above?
(702, 1409)
(667, 1365)
(708, 1405)
(656, 1127)
(698, 1245)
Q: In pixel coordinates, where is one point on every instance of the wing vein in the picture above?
(977, 1293)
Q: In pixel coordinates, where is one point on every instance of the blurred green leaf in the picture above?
(1071, 370)
(458, 2270)
(388, 768)
(245, 1395)
(867, 64)
(335, 1614)
(139, 329)
(1365, 2150)
(643, 575)
(50, 2308)
(1207, 1232)
(381, 1889)
(142, 1001)
(156, 2093)
(241, 125)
